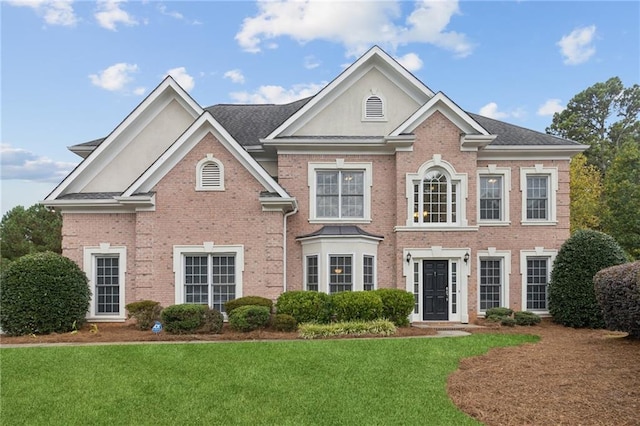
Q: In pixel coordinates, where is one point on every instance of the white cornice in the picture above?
(528, 152)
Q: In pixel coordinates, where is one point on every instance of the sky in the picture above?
(72, 71)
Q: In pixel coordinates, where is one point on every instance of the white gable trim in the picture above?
(374, 57)
(167, 91)
(195, 133)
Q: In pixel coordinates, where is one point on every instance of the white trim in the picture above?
(209, 159)
(207, 248)
(338, 165)
(458, 179)
(505, 272)
(552, 187)
(538, 252)
(505, 174)
(89, 267)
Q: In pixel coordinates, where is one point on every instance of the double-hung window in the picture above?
(340, 274)
(210, 279)
(107, 285)
(535, 267)
(539, 186)
(491, 198)
(537, 197)
(106, 267)
(340, 194)
(312, 273)
(490, 283)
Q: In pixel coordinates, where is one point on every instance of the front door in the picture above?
(435, 300)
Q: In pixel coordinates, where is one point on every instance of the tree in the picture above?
(622, 198)
(33, 230)
(586, 193)
(604, 116)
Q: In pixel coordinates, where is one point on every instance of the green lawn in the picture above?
(331, 382)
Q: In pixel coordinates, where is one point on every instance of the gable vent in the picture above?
(211, 176)
(374, 107)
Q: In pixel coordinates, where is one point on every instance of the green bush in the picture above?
(498, 312)
(572, 298)
(213, 321)
(526, 318)
(245, 301)
(618, 294)
(43, 293)
(146, 312)
(305, 306)
(184, 318)
(397, 305)
(249, 317)
(284, 322)
(507, 322)
(356, 306)
(379, 327)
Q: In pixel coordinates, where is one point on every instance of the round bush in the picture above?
(618, 293)
(397, 305)
(184, 318)
(43, 293)
(507, 322)
(356, 306)
(305, 306)
(213, 321)
(284, 322)
(572, 299)
(498, 312)
(146, 312)
(245, 301)
(249, 317)
(526, 318)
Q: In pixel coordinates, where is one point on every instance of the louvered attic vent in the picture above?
(211, 176)
(374, 108)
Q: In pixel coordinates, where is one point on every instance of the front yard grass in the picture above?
(327, 382)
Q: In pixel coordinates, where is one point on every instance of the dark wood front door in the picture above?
(435, 280)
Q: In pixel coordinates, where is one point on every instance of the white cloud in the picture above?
(139, 91)
(110, 14)
(577, 47)
(550, 107)
(163, 10)
(491, 110)
(235, 76)
(310, 62)
(277, 94)
(114, 78)
(374, 23)
(410, 61)
(180, 75)
(20, 164)
(54, 12)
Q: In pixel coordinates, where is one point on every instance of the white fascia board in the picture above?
(106, 205)
(527, 152)
(357, 68)
(440, 102)
(95, 157)
(194, 134)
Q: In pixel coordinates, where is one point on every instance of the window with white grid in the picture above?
(367, 273)
(340, 274)
(539, 187)
(537, 282)
(435, 199)
(490, 283)
(107, 283)
(312, 273)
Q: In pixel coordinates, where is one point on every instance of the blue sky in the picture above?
(72, 71)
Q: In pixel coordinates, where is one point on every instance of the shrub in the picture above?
(146, 312)
(572, 299)
(498, 314)
(379, 327)
(618, 294)
(249, 317)
(245, 301)
(305, 306)
(184, 318)
(526, 318)
(397, 305)
(284, 322)
(356, 306)
(507, 322)
(213, 321)
(43, 293)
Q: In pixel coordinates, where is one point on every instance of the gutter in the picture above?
(284, 245)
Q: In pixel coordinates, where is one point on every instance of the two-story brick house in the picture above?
(374, 182)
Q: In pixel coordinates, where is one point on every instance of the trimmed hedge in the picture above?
(230, 305)
(572, 299)
(284, 322)
(146, 312)
(618, 293)
(184, 318)
(526, 318)
(213, 321)
(305, 306)
(379, 327)
(43, 293)
(356, 306)
(249, 317)
(498, 314)
(397, 305)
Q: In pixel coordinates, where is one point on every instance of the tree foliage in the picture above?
(604, 116)
(586, 193)
(622, 197)
(33, 230)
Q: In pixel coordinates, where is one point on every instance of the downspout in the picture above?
(284, 246)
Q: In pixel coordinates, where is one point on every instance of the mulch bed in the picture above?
(571, 377)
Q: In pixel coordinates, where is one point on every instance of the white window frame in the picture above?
(209, 159)
(339, 165)
(90, 254)
(505, 174)
(505, 273)
(552, 187)
(365, 110)
(459, 179)
(537, 253)
(374, 285)
(306, 270)
(207, 248)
